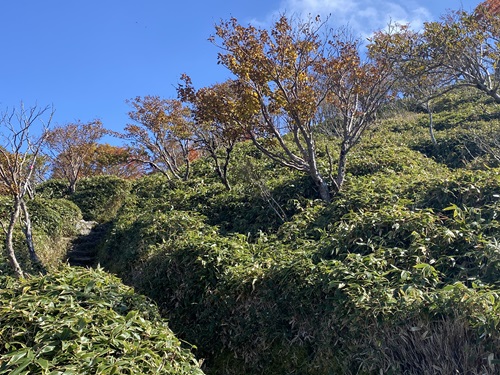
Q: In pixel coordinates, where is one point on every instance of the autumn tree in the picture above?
(491, 7)
(18, 160)
(357, 90)
(104, 159)
(461, 49)
(39, 175)
(217, 116)
(466, 46)
(161, 134)
(416, 76)
(286, 75)
(115, 161)
(70, 146)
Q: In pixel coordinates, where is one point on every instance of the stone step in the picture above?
(83, 250)
(80, 253)
(82, 261)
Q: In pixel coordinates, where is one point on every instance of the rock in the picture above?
(84, 227)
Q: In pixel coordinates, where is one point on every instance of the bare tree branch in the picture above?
(18, 156)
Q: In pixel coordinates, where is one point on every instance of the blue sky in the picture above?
(87, 57)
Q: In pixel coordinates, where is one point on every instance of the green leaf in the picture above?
(17, 356)
(25, 362)
(90, 285)
(44, 364)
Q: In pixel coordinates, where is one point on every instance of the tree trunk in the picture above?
(427, 107)
(323, 188)
(339, 179)
(226, 182)
(72, 186)
(28, 234)
(188, 168)
(431, 127)
(9, 240)
(493, 93)
(222, 173)
(495, 96)
(221, 170)
(310, 157)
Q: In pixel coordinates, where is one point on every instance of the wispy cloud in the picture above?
(363, 17)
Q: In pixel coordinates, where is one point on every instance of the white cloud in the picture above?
(322, 6)
(363, 17)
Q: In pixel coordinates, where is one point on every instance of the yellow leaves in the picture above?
(275, 68)
(75, 135)
(226, 106)
(260, 56)
(159, 115)
(394, 44)
(284, 71)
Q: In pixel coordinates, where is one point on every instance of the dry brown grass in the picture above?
(444, 347)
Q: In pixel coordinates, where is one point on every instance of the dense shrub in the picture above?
(54, 217)
(250, 207)
(328, 301)
(100, 197)
(470, 188)
(53, 188)
(398, 274)
(84, 322)
(54, 222)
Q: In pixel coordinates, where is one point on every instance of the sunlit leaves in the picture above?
(461, 49)
(71, 146)
(223, 115)
(162, 133)
(277, 65)
(84, 322)
(113, 160)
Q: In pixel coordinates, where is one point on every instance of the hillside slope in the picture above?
(399, 273)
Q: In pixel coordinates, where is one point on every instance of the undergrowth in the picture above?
(397, 275)
(78, 321)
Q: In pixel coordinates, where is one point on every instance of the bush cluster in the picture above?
(388, 277)
(398, 274)
(349, 287)
(78, 321)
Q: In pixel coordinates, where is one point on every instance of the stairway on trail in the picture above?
(83, 249)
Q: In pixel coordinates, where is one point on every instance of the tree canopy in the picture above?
(71, 146)
(161, 134)
(287, 75)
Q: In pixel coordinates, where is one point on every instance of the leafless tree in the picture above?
(18, 156)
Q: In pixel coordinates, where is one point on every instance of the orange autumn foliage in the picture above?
(490, 7)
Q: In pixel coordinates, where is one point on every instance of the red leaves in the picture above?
(72, 145)
(488, 8)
